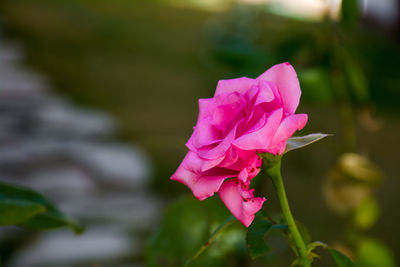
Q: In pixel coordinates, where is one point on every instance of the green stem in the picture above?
(275, 174)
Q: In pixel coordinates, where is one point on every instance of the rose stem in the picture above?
(274, 173)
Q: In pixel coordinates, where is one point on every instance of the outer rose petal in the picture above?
(205, 108)
(239, 85)
(287, 128)
(202, 184)
(203, 134)
(285, 77)
(208, 133)
(261, 138)
(231, 195)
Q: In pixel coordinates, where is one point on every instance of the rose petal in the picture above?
(240, 159)
(227, 115)
(286, 129)
(254, 121)
(238, 85)
(265, 93)
(261, 138)
(231, 157)
(219, 150)
(232, 196)
(204, 134)
(205, 108)
(243, 175)
(211, 163)
(202, 184)
(285, 77)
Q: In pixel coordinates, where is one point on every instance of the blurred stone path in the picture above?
(70, 155)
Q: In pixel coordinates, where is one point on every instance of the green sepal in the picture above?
(297, 142)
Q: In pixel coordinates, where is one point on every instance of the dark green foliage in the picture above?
(315, 87)
(24, 207)
(257, 234)
(350, 13)
(18, 211)
(187, 225)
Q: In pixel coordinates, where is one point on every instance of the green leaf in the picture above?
(52, 219)
(297, 142)
(13, 211)
(257, 233)
(372, 253)
(255, 238)
(341, 259)
(350, 13)
(27, 208)
(223, 225)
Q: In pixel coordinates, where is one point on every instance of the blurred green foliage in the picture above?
(144, 61)
(367, 213)
(186, 226)
(373, 253)
(350, 13)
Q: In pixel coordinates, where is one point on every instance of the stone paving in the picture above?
(70, 154)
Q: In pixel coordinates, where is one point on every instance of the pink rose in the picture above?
(245, 117)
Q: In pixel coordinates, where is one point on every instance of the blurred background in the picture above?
(97, 99)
